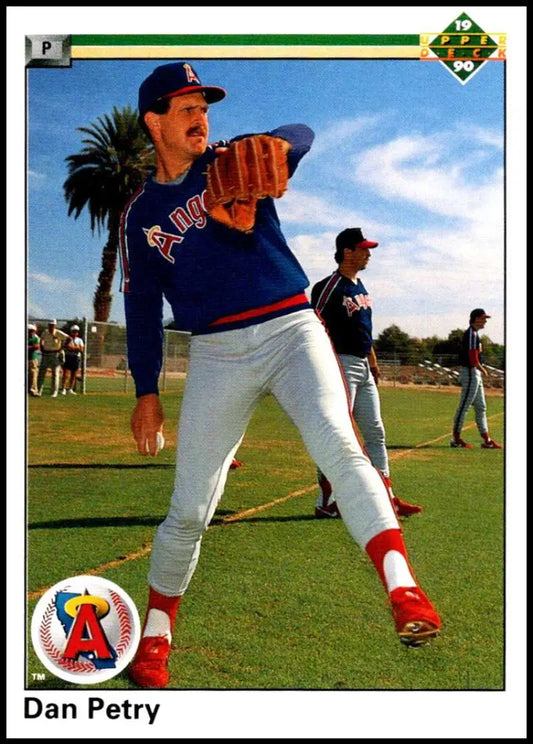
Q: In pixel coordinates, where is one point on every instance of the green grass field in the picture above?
(279, 600)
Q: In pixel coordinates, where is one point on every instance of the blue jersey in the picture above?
(471, 348)
(345, 308)
(214, 278)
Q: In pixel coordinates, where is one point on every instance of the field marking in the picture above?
(397, 455)
(145, 550)
(99, 569)
(240, 515)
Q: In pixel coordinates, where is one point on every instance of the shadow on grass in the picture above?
(416, 446)
(152, 521)
(95, 522)
(100, 465)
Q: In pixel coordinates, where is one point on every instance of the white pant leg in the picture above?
(480, 407)
(220, 394)
(309, 386)
(56, 375)
(366, 407)
(470, 380)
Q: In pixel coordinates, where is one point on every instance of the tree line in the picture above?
(411, 350)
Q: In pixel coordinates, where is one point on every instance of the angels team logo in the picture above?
(85, 629)
(192, 77)
(353, 304)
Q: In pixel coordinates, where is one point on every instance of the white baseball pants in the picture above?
(366, 407)
(229, 372)
(472, 394)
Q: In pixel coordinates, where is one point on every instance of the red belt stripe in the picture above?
(258, 311)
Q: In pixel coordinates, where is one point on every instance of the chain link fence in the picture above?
(104, 364)
(441, 373)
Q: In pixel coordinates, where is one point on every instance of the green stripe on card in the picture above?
(245, 40)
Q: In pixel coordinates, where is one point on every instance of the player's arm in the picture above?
(475, 358)
(374, 366)
(143, 306)
(144, 331)
(299, 137)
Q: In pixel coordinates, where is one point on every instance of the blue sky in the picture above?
(402, 149)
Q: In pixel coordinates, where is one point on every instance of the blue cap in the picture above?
(174, 79)
(478, 312)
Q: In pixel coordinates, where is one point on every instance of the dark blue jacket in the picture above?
(170, 247)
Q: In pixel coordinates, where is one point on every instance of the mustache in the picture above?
(197, 130)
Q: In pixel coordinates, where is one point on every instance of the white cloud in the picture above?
(302, 208)
(308, 209)
(340, 131)
(488, 137)
(51, 281)
(35, 309)
(426, 171)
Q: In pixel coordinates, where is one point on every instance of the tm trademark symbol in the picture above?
(38, 677)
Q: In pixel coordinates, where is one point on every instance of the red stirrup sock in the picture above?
(388, 553)
(169, 605)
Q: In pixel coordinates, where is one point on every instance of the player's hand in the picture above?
(147, 425)
(376, 374)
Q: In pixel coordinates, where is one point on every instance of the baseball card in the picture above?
(266, 444)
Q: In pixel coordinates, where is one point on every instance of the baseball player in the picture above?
(343, 303)
(471, 381)
(52, 356)
(221, 260)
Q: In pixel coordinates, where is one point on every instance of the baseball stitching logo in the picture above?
(85, 629)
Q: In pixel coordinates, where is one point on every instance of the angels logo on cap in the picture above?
(85, 629)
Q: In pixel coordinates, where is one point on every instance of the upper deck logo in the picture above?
(463, 47)
(85, 629)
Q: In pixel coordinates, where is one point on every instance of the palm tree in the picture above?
(102, 177)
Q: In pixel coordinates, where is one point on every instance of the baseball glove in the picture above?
(249, 169)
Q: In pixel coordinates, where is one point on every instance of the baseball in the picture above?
(159, 442)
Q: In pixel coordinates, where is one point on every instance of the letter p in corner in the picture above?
(48, 51)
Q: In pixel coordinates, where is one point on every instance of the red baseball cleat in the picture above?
(327, 511)
(403, 509)
(149, 666)
(460, 443)
(416, 620)
(325, 507)
(491, 444)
